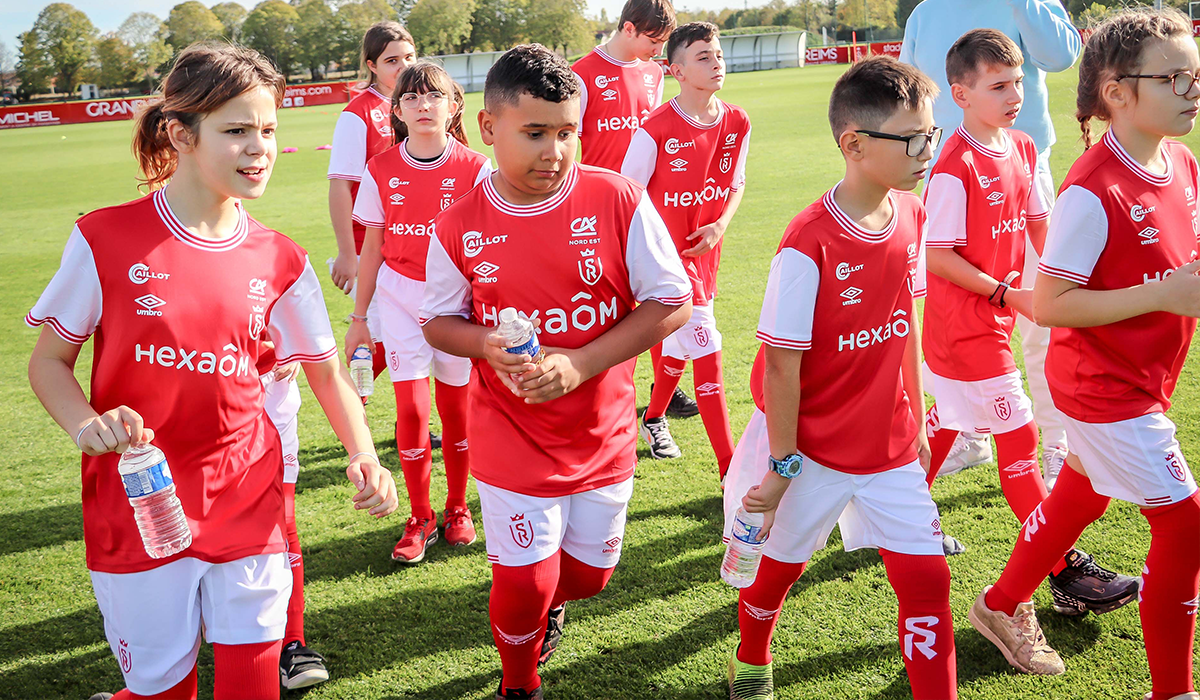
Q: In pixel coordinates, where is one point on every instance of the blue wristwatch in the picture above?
(789, 467)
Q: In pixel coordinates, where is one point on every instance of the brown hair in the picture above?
(1115, 48)
(422, 77)
(375, 41)
(979, 49)
(205, 76)
(654, 18)
(689, 34)
(873, 89)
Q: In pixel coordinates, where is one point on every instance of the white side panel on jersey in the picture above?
(655, 270)
(1077, 236)
(447, 292)
(739, 172)
(72, 303)
(348, 159)
(641, 158)
(786, 319)
(484, 171)
(662, 78)
(946, 207)
(582, 104)
(299, 322)
(919, 280)
(368, 207)
(1041, 202)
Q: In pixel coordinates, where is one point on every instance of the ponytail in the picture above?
(152, 147)
(455, 127)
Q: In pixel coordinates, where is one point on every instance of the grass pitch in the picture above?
(665, 626)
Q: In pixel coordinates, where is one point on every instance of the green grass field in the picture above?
(665, 626)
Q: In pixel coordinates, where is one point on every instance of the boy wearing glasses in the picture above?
(836, 436)
(691, 156)
(982, 201)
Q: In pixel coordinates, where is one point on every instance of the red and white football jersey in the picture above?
(689, 169)
(1118, 225)
(844, 295)
(617, 98)
(178, 323)
(580, 261)
(979, 202)
(402, 195)
(363, 131)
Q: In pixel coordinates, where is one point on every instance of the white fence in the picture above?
(748, 52)
(469, 69)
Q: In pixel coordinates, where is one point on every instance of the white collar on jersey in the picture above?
(699, 125)
(1115, 146)
(371, 89)
(615, 61)
(851, 226)
(181, 232)
(538, 208)
(978, 146)
(427, 165)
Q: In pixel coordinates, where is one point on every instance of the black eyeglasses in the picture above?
(914, 143)
(1181, 82)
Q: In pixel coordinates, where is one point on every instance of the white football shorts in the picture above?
(888, 510)
(1136, 460)
(282, 403)
(698, 337)
(522, 530)
(989, 406)
(152, 618)
(372, 308)
(409, 356)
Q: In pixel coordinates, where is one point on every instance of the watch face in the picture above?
(789, 466)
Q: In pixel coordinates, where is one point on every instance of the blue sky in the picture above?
(17, 16)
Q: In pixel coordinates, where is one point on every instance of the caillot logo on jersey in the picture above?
(486, 272)
(474, 242)
(710, 192)
(1149, 235)
(609, 95)
(397, 182)
(149, 304)
(1137, 212)
(995, 199)
(140, 273)
(674, 145)
(844, 270)
(591, 268)
(603, 81)
(231, 360)
(852, 295)
(896, 327)
(678, 165)
(986, 182)
(377, 115)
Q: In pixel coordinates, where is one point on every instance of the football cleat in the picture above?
(435, 441)
(682, 405)
(419, 534)
(1052, 464)
(1086, 586)
(1019, 637)
(657, 434)
(457, 526)
(554, 633)
(967, 451)
(101, 696)
(301, 667)
(503, 693)
(747, 682)
(951, 546)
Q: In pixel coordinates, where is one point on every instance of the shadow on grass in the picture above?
(40, 527)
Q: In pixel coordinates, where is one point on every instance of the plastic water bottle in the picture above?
(739, 568)
(156, 508)
(520, 337)
(362, 370)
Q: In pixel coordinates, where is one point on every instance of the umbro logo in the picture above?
(149, 304)
(461, 445)
(486, 272)
(1192, 605)
(1020, 467)
(759, 613)
(851, 296)
(609, 95)
(708, 389)
(414, 453)
(517, 640)
(678, 165)
(612, 545)
(397, 198)
(1149, 235)
(995, 199)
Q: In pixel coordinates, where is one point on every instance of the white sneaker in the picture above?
(1052, 464)
(969, 450)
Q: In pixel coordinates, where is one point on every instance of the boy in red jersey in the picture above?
(1118, 285)
(838, 386)
(691, 156)
(981, 199)
(581, 251)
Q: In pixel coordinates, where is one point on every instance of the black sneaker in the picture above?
(503, 693)
(1086, 586)
(554, 632)
(682, 405)
(656, 434)
(300, 667)
(435, 441)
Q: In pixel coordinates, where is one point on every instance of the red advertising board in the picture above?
(853, 52)
(826, 55)
(1196, 27)
(53, 113)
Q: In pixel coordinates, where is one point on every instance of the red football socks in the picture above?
(1051, 529)
(1168, 599)
(940, 442)
(667, 371)
(412, 442)
(183, 690)
(577, 581)
(759, 606)
(710, 397)
(246, 671)
(922, 585)
(294, 632)
(452, 409)
(1020, 477)
(378, 359)
(518, 608)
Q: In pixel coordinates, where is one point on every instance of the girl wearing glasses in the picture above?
(1118, 284)
(402, 190)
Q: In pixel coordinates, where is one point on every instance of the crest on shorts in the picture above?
(1002, 407)
(521, 530)
(394, 361)
(591, 268)
(125, 656)
(257, 322)
(1175, 467)
(702, 337)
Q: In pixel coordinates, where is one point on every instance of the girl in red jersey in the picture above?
(180, 289)
(1118, 284)
(364, 130)
(403, 189)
